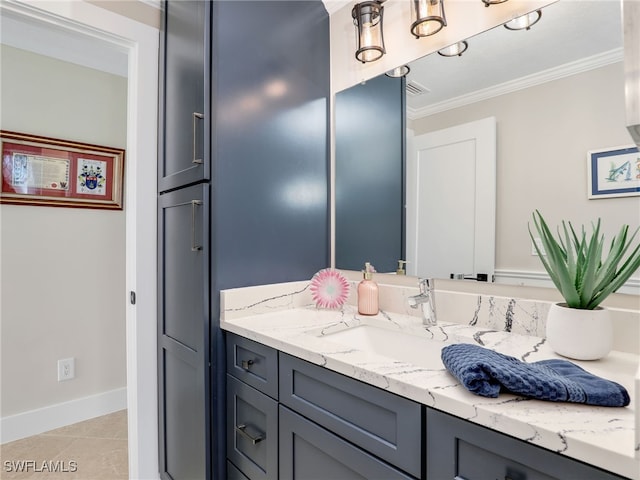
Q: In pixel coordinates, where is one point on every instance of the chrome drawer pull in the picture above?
(194, 247)
(196, 116)
(241, 430)
(246, 364)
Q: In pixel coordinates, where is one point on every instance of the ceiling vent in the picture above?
(414, 88)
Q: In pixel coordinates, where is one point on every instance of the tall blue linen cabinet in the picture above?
(242, 192)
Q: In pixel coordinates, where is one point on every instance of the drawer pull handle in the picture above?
(196, 116)
(458, 477)
(246, 364)
(194, 247)
(241, 430)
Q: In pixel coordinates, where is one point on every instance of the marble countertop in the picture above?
(600, 436)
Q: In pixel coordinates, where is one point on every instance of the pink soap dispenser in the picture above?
(368, 292)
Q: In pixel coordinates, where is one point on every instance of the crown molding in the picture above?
(556, 73)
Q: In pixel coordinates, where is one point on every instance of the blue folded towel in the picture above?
(486, 372)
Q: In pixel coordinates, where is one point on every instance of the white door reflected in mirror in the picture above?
(451, 201)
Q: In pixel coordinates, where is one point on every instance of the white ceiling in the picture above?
(571, 36)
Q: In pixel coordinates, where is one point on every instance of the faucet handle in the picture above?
(425, 284)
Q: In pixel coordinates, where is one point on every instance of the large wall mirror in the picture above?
(555, 93)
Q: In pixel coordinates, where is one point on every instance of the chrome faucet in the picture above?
(426, 300)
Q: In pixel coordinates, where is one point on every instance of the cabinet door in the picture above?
(184, 83)
(308, 451)
(183, 332)
(461, 450)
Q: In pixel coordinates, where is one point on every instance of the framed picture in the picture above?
(45, 171)
(614, 172)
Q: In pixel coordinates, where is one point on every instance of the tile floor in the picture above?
(95, 449)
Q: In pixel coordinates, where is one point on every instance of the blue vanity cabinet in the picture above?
(295, 420)
(461, 450)
(184, 115)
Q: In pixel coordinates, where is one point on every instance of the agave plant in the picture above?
(576, 265)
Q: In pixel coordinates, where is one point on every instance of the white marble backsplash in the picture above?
(491, 312)
(242, 302)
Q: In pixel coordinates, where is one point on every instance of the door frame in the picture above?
(140, 42)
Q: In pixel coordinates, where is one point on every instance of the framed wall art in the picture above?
(49, 172)
(613, 172)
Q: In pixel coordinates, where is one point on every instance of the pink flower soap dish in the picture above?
(329, 289)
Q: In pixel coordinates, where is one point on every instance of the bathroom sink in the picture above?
(394, 344)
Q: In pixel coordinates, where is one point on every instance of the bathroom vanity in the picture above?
(308, 398)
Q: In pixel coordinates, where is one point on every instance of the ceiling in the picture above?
(571, 36)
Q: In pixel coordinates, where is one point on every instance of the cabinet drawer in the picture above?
(252, 431)
(308, 451)
(465, 451)
(379, 422)
(253, 363)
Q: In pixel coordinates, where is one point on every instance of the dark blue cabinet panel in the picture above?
(370, 151)
(380, 422)
(459, 449)
(183, 332)
(309, 452)
(183, 264)
(252, 430)
(253, 363)
(184, 93)
(183, 419)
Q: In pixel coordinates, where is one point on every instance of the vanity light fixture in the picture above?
(492, 2)
(429, 17)
(524, 22)
(455, 50)
(367, 18)
(398, 72)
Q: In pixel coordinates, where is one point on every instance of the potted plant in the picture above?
(584, 275)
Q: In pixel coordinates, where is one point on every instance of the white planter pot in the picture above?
(579, 334)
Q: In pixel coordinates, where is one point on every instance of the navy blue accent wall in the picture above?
(370, 142)
(269, 141)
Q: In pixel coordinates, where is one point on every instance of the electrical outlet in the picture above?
(540, 246)
(66, 369)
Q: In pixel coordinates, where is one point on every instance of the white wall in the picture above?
(544, 134)
(63, 269)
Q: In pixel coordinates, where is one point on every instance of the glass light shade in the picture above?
(454, 50)
(524, 22)
(429, 17)
(367, 17)
(398, 72)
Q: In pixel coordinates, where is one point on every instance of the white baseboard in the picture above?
(59, 415)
